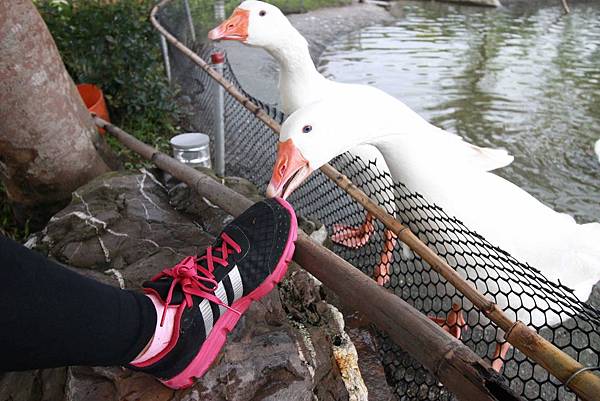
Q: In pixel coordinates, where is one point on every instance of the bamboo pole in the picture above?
(228, 86)
(462, 371)
(584, 383)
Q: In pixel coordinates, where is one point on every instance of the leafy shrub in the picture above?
(113, 45)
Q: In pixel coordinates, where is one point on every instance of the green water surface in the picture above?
(524, 78)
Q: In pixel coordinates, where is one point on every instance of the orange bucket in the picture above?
(94, 101)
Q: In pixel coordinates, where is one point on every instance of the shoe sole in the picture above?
(225, 324)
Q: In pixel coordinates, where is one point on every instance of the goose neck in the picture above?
(294, 58)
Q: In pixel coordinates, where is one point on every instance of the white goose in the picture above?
(597, 149)
(263, 25)
(500, 211)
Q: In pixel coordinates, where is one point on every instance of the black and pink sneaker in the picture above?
(205, 296)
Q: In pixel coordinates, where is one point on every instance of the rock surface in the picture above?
(124, 227)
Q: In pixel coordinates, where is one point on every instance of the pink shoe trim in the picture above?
(218, 335)
(162, 334)
(174, 337)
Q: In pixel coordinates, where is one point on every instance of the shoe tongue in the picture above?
(238, 235)
(162, 288)
(240, 238)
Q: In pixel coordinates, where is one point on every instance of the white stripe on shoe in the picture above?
(222, 295)
(237, 287)
(207, 315)
(236, 283)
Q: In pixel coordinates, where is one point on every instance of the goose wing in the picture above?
(392, 115)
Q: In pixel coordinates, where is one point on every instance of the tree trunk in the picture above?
(49, 145)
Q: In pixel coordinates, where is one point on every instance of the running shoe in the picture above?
(207, 294)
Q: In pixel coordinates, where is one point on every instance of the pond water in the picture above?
(524, 78)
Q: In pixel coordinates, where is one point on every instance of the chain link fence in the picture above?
(250, 153)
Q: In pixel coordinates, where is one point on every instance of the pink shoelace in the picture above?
(198, 280)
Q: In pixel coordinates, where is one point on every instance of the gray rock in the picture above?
(122, 228)
(44, 385)
(118, 225)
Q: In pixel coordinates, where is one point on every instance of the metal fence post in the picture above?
(219, 10)
(217, 59)
(165, 53)
(188, 13)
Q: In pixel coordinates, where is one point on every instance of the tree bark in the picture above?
(49, 145)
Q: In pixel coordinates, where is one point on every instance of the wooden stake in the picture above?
(586, 385)
(462, 371)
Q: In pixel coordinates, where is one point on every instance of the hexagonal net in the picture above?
(521, 290)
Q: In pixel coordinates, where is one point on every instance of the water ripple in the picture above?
(525, 79)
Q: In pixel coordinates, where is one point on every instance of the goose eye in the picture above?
(262, 13)
(306, 129)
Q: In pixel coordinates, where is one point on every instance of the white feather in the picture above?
(301, 84)
(504, 214)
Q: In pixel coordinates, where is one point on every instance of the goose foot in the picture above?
(353, 237)
(499, 355)
(383, 269)
(382, 273)
(454, 323)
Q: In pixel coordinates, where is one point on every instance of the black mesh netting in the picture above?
(250, 153)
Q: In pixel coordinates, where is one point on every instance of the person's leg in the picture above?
(51, 316)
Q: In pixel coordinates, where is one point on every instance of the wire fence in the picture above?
(549, 307)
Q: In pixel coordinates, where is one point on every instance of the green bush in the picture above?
(113, 45)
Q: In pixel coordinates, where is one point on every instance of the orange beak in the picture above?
(291, 168)
(233, 28)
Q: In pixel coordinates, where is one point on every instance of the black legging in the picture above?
(51, 316)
